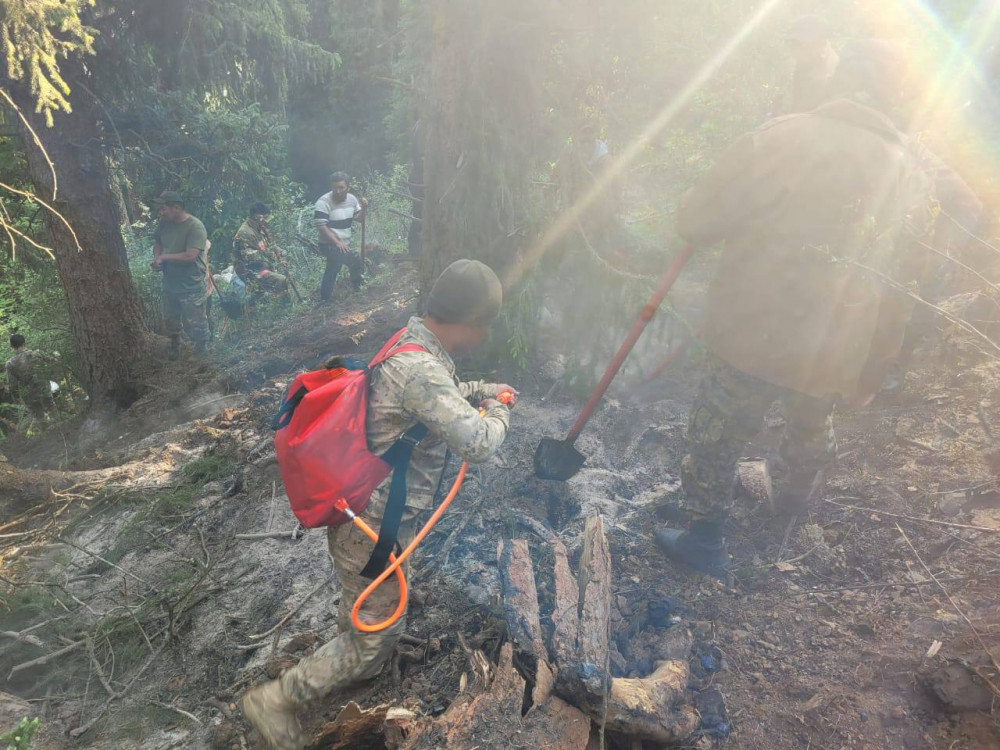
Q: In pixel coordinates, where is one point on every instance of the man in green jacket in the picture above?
(816, 210)
(179, 250)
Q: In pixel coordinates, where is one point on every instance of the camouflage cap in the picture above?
(467, 293)
(168, 196)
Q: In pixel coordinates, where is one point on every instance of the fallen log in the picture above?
(520, 606)
(572, 690)
(565, 610)
(492, 720)
(651, 708)
(358, 727)
(595, 596)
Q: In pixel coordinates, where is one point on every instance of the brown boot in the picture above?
(273, 715)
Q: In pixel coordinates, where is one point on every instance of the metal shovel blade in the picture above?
(557, 459)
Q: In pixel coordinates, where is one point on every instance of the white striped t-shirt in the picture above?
(337, 216)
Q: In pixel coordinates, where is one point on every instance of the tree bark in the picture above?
(104, 311)
(482, 130)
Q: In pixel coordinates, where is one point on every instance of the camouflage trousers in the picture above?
(727, 412)
(353, 656)
(39, 400)
(269, 281)
(187, 311)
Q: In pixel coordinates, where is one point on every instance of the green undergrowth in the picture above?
(127, 620)
(164, 506)
(21, 736)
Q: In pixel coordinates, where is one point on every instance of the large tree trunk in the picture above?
(104, 311)
(482, 130)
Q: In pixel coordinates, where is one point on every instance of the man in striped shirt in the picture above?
(334, 215)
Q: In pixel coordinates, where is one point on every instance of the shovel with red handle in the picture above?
(559, 459)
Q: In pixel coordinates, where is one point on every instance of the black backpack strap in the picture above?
(398, 457)
(288, 404)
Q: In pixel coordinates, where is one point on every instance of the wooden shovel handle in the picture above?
(676, 266)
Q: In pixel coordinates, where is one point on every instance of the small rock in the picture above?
(702, 629)
(825, 631)
(740, 635)
(300, 642)
(477, 595)
(951, 504)
(711, 706)
(958, 690)
(757, 676)
(276, 665)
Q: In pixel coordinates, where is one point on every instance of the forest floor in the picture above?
(159, 572)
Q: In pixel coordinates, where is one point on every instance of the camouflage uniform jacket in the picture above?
(22, 380)
(422, 387)
(840, 181)
(251, 249)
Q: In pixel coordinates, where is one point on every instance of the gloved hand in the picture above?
(506, 394)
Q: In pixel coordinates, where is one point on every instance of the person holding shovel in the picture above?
(334, 217)
(817, 211)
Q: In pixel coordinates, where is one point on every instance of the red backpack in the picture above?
(323, 450)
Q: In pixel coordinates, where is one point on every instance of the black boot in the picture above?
(701, 547)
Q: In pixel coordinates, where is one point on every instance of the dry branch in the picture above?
(83, 729)
(954, 604)
(918, 519)
(23, 637)
(291, 535)
(181, 711)
(96, 556)
(45, 659)
(290, 615)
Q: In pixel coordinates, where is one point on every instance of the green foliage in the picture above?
(386, 193)
(34, 36)
(221, 50)
(22, 736)
(207, 468)
(346, 113)
(517, 326)
(27, 603)
(165, 505)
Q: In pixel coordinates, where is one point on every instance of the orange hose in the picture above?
(403, 593)
(395, 565)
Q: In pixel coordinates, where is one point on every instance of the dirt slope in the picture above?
(169, 609)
